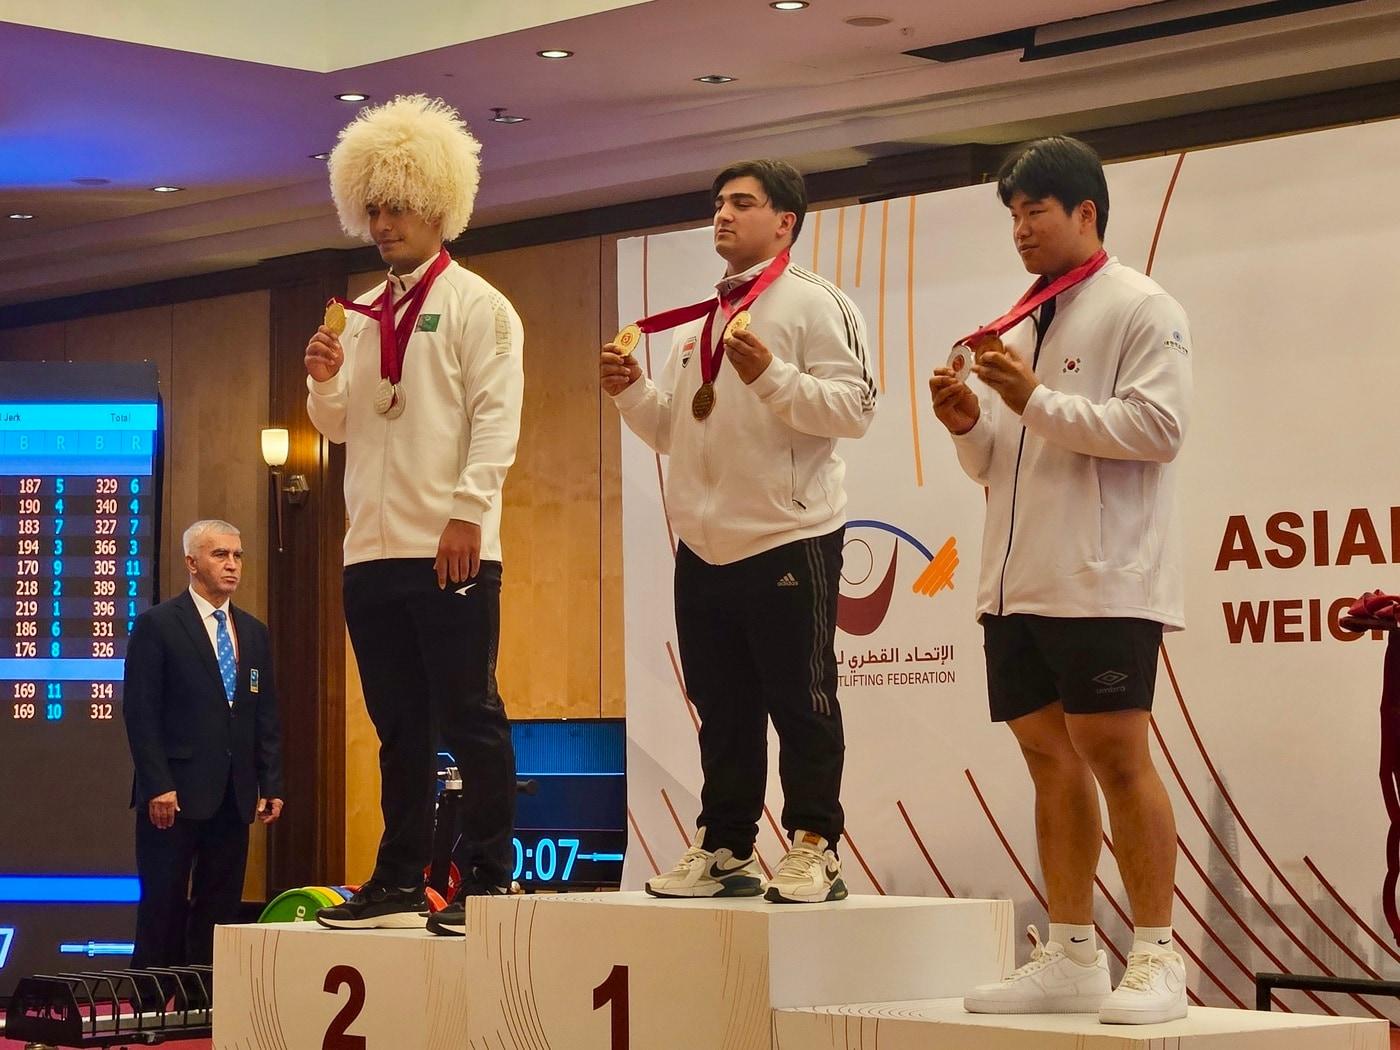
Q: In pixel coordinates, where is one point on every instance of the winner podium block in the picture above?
(944, 1025)
(606, 970)
(297, 986)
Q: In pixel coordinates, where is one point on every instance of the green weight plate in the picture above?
(298, 905)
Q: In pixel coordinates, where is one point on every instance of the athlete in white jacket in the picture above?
(754, 491)
(428, 406)
(1073, 425)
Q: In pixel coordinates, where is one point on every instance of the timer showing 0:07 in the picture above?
(546, 860)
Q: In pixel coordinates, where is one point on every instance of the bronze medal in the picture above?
(626, 340)
(703, 403)
(383, 397)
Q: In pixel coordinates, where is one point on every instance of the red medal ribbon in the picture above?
(742, 297)
(1040, 292)
(393, 340)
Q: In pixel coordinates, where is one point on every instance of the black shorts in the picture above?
(1089, 664)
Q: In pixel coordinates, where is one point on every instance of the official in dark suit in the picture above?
(201, 719)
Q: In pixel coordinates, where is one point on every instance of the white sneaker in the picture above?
(809, 873)
(1051, 983)
(702, 873)
(1153, 990)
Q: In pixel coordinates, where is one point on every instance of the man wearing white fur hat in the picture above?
(423, 386)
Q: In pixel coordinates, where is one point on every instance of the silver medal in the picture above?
(960, 360)
(395, 408)
(384, 397)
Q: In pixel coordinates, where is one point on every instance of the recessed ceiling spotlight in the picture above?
(88, 180)
(166, 189)
(353, 96)
(502, 117)
(555, 52)
(789, 5)
(715, 78)
(20, 216)
(318, 156)
(867, 21)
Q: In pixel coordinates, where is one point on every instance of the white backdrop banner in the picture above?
(1266, 726)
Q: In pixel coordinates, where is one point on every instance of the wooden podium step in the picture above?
(942, 1024)
(299, 986)
(611, 970)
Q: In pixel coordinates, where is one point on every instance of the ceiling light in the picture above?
(91, 181)
(555, 52)
(788, 5)
(715, 78)
(166, 189)
(19, 216)
(502, 117)
(319, 156)
(353, 96)
(867, 21)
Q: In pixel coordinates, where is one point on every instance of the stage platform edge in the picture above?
(942, 1024)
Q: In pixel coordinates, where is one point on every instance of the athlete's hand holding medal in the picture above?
(617, 368)
(324, 355)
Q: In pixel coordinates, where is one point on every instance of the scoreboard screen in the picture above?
(79, 520)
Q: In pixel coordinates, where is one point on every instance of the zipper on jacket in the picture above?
(1042, 325)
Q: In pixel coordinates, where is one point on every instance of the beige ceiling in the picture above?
(622, 120)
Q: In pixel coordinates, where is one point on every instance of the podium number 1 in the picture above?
(614, 990)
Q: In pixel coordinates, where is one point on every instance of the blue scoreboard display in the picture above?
(79, 510)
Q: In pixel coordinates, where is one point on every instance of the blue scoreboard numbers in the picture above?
(78, 529)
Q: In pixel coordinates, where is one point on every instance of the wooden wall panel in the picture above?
(550, 624)
(40, 342)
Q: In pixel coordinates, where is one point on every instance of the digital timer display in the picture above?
(571, 830)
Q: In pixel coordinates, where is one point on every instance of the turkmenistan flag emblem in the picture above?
(428, 322)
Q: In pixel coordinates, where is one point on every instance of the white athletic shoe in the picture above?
(1153, 990)
(702, 873)
(808, 874)
(1051, 983)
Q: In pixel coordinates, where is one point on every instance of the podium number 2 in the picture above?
(336, 1036)
(613, 990)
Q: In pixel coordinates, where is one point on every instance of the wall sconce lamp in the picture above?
(275, 446)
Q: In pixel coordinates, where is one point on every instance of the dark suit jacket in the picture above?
(183, 734)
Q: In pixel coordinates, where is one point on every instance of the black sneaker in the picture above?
(376, 907)
(452, 920)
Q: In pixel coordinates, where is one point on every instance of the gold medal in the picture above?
(395, 408)
(626, 340)
(703, 403)
(383, 397)
(335, 318)
(738, 323)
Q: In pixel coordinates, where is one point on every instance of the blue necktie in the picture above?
(223, 646)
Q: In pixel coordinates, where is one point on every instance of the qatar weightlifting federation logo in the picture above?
(863, 615)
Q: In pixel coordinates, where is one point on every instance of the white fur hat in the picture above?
(413, 151)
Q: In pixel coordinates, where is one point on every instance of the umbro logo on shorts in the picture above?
(788, 580)
(1110, 677)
